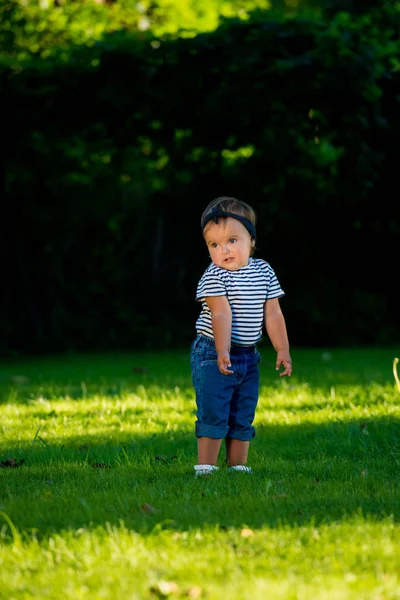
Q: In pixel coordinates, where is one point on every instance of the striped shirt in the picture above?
(247, 290)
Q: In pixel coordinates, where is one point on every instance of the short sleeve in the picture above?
(210, 285)
(274, 289)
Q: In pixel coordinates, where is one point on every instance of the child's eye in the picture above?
(214, 245)
(232, 240)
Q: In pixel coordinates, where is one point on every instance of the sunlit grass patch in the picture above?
(104, 504)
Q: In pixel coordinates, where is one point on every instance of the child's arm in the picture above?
(221, 316)
(276, 329)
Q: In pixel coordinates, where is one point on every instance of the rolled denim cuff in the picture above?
(244, 435)
(211, 431)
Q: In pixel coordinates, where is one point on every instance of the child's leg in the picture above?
(236, 451)
(208, 450)
(213, 398)
(242, 413)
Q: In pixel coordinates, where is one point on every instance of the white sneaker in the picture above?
(242, 468)
(204, 470)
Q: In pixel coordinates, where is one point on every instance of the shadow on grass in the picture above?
(301, 474)
(79, 376)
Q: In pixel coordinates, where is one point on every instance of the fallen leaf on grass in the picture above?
(11, 463)
(149, 509)
(194, 592)
(100, 465)
(245, 533)
(163, 589)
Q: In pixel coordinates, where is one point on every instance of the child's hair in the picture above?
(229, 204)
(233, 205)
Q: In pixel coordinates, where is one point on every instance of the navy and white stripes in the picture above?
(247, 289)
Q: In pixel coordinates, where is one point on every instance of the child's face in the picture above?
(229, 243)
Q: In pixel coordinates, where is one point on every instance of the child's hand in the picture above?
(283, 358)
(224, 362)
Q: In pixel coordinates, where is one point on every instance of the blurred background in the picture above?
(123, 119)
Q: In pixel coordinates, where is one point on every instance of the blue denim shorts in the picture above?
(226, 404)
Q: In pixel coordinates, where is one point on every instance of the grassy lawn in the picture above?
(104, 503)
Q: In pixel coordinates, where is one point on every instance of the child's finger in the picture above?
(224, 367)
(287, 371)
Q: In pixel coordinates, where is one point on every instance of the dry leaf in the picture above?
(100, 465)
(245, 533)
(11, 463)
(194, 592)
(148, 508)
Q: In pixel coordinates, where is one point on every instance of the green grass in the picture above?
(317, 519)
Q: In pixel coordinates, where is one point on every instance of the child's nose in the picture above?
(225, 248)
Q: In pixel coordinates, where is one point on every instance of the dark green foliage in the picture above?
(113, 152)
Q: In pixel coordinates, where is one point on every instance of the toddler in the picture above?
(238, 293)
